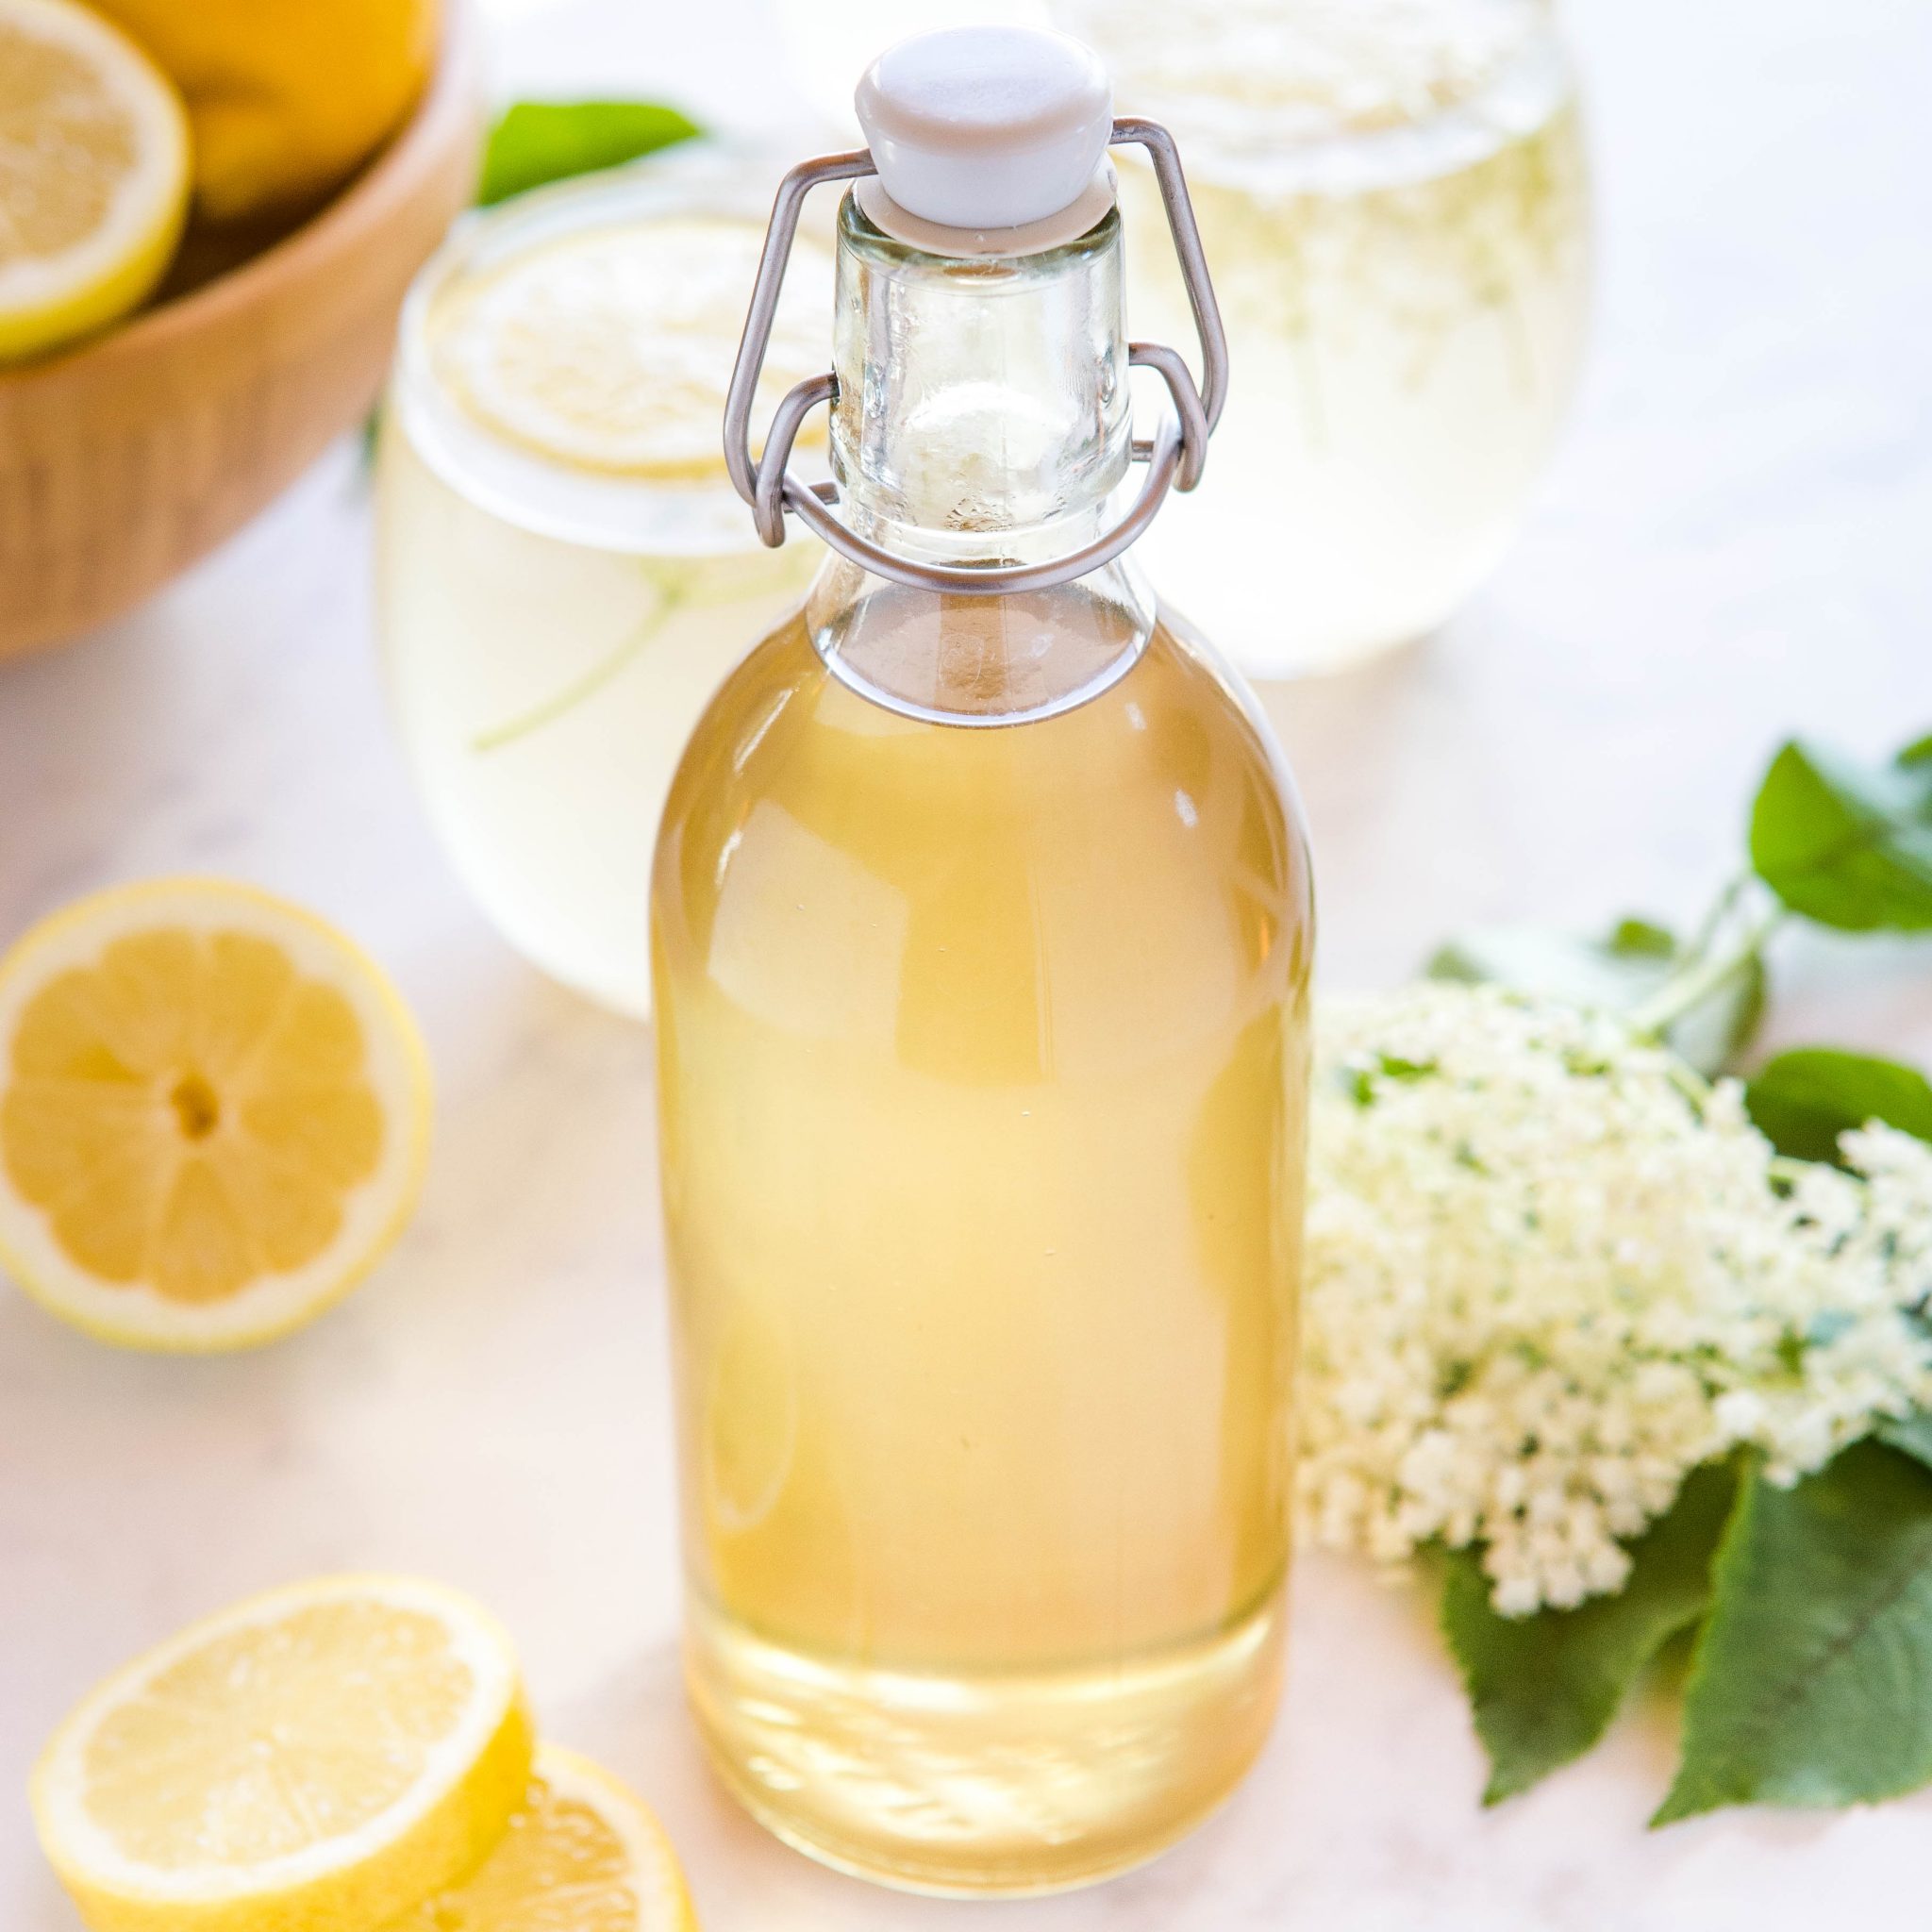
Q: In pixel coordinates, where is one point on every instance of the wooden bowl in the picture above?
(126, 459)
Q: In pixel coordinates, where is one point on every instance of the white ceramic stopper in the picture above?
(986, 127)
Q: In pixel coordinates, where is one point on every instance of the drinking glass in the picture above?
(564, 573)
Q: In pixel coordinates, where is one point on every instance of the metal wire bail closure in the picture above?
(1174, 455)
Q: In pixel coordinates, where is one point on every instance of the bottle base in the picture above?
(982, 1786)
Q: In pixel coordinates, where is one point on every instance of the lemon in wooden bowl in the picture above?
(128, 456)
(93, 174)
(287, 98)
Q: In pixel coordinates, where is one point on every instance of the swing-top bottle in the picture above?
(982, 927)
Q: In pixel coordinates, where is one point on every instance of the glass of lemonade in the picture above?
(564, 574)
(1392, 196)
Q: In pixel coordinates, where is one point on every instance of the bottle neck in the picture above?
(982, 403)
(981, 416)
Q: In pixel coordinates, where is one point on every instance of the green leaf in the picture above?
(1543, 1689)
(1812, 1683)
(1622, 971)
(1804, 1100)
(1845, 843)
(537, 141)
(1911, 1434)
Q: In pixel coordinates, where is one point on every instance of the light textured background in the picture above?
(1735, 543)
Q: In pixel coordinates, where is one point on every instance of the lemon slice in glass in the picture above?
(584, 1855)
(93, 174)
(611, 347)
(214, 1114)
(318, 1759)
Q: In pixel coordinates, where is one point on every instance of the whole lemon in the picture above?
(284, 97)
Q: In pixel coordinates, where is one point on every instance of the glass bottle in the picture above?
(981, 931)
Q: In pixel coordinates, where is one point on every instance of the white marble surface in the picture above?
(1734, 543)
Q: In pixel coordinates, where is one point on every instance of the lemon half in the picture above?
(318, 1760)
(93, 174)
(610, 348)
(214, 1114)
(584, 1855)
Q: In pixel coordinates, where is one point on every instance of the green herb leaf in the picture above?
(1622, 971)
(1804, 1100)
(1845, 843)
(1543, 1689)
(537, 141)
(1812, 1682)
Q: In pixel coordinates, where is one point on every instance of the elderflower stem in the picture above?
(670, 598)
(1707, 969)
(1726, 903)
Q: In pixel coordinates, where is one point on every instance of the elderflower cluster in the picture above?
(1549, 1272)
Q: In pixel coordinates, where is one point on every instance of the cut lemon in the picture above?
(612, 348)
(583, 1856)
(320, 1760)
(93, 174)
(214, 1114)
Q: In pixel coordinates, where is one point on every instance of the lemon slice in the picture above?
(93, 174)
(214, 1114)
(582, 1855)
(318, 1760)
(612, 348)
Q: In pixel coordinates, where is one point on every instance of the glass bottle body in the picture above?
(981, 1056)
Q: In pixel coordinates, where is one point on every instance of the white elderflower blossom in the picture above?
(1549, 1272)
